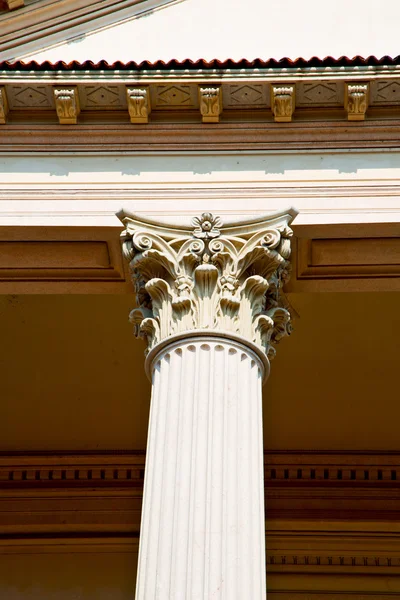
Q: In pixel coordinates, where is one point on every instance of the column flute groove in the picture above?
(211, 309)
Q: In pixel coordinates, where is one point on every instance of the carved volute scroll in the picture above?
(356, 101)
(211, 277)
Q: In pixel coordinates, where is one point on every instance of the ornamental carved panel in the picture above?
(174, 96)
(246, 95)
(102, 97)
(385, 92)
(31, 96)
(319, 93)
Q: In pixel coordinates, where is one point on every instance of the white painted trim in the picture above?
(189, 76)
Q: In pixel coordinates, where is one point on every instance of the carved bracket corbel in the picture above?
(356, 100)
(13, 4)
(67, 105)
(210, 103)
(283, 102)
(139, 106)
(3, 105)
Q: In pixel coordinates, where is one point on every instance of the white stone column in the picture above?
(210, 309)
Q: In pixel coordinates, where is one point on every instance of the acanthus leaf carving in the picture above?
(210, 103)
(211, 277)
(139, 106)
(283, 102)
(67, 105)
(356, 100)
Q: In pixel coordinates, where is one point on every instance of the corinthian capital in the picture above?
(213, 277)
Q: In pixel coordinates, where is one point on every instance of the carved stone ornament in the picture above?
(356, 101)
(212, 277)
(138, 104)
(283, 102)
(13, 4)
(67, 105)
(3, 105)
(210, 103)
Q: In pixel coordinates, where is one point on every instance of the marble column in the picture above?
(211, 310)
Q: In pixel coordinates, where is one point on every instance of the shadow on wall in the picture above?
(252, 167)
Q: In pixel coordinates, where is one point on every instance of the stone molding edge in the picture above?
(281, 468)
(211, 277)
(144, 76)
(204, 336)
(367, 136)
(48, 20)
(332, 561)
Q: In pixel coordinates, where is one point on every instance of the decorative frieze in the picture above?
(356, 100)
(349, 471)
(102, 97)
(67, 105)
(319, 94)
(283, 102)
(248, 95)
(138, 104)
(384, 92)
(30, 97)
(244, 100)
(211, 277)
(210, 103)
(3, 105)
(174, 97)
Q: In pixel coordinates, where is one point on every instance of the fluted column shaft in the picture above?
(202, 532)
(209, 305)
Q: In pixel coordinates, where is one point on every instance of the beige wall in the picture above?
(73, 376)
(73, 574)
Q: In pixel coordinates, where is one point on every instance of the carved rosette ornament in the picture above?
(216, 278)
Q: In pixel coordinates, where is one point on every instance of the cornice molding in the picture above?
(230, 101)
(48, 22)
(327, 469)
(95, 137)
(234, 101)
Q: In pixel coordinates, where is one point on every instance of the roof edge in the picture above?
(202, 64)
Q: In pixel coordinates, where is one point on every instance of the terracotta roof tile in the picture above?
(271, 63)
